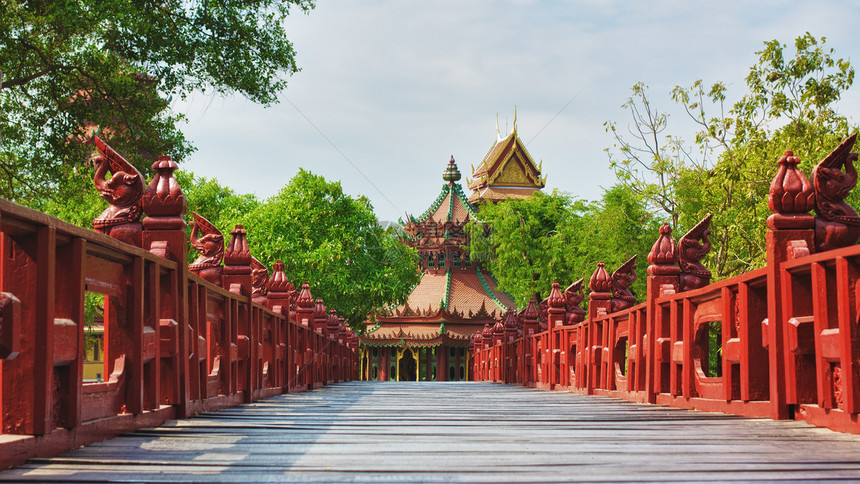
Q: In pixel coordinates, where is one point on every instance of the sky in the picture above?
(390, 89)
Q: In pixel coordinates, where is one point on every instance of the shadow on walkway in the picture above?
(450, 431)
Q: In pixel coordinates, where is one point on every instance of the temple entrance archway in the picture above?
(407, 367)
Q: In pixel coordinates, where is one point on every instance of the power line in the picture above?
(553, 118)
(342, 153)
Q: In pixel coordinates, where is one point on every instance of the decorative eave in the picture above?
(414, 343)
(495, 170)
(441, 315)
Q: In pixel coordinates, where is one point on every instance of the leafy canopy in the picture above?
(71, 67)
(790, 104)
(529, 243)
(334, 242)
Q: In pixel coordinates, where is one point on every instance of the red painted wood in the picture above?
(789, 332)
(171, 338)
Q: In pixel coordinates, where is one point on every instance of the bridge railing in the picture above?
(781, 341)
(174, 343)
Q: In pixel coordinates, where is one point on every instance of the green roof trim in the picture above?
(496, 282)
(455, 190)
(489, 291)
(473, 211)
(451, 207)
(435, 205)
(447, 294)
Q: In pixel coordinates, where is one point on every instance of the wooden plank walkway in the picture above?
(456, 432)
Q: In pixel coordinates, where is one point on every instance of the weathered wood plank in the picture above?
(466, 432)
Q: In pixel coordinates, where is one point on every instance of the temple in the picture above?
(507, 171)
(427, 337)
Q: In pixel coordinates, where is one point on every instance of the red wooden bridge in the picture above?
(779, 342)
(183, 340)
(463, 432)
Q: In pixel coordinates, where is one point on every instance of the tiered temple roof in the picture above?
(455, 296)
(507, 171)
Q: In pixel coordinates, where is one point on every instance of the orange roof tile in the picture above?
(467, 295)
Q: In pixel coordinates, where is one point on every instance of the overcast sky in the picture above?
(390, 89)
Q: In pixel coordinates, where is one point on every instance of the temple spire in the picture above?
(452, 173)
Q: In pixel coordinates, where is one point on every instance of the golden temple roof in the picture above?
(507, 170)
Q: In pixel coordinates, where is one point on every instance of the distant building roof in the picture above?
(507, 171)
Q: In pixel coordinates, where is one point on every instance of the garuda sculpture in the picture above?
(573, 297)
(836, 223)
(622, 278)
(123, 191)
(259, 280)
(690, 254)
(211, 248)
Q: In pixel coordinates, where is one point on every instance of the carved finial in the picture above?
(487, 333)
(124, 190)
(555, 299)
(791, 196)
(305, 306)
(622, 278)
(499, 327)
(600, 281)
(279, 290)
(319, 311)
(530, 318)
(452, 174)
(279, 283)
(237, 253)
(210, 246)
(511, 324)
(573, 297)
(663, 256)
(693, 273)
(555, 306)
(163, 200)
(332, 322)
(837, 224)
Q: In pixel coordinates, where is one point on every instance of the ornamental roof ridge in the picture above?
(496, 166)
(489, 291)
(435, 205)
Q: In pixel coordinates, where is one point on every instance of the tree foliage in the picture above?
(334, 242)
(513, 239)
(74, 67)
(529, 243)
(728, 167)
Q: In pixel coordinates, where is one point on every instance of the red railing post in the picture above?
(662, 279)
(164, 235)
(599, 304)
(791, 197)
(236, 277)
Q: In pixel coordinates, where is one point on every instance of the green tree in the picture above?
(529, 243)
(217, 203)
(74, 67)
(611, 230)
(790, 104)
(334, 242)
(512, 239)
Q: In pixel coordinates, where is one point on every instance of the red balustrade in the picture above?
(174, 343)
(781, 342)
